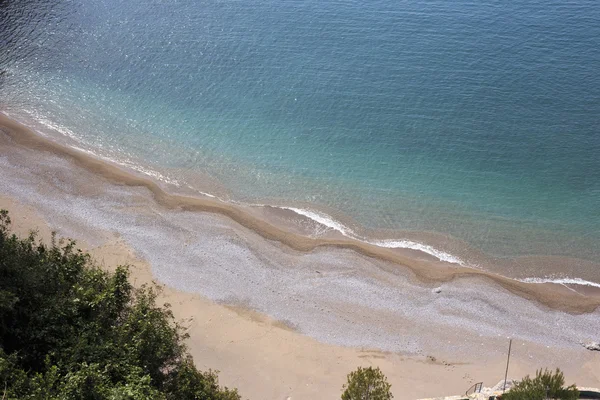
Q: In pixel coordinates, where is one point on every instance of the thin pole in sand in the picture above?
(507, 361)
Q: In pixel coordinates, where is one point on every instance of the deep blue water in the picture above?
(474, 119)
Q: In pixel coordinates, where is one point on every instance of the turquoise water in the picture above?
(475, 120)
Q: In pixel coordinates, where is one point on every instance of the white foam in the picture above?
(408, 244)
(205, 193)
(329, 222)
(323, 219)
(561, 281)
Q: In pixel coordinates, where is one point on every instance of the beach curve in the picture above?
(550, 295)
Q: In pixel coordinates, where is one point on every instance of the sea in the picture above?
(469, 130)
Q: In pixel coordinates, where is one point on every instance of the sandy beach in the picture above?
(284, 315)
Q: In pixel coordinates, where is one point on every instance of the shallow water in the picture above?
(471, 120)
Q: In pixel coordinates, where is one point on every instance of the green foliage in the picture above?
(69, 330)
(367, 384)
(545, 385)
(187, 383)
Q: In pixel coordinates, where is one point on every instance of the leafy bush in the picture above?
(69, 330)
(367, 384)
(545, 385)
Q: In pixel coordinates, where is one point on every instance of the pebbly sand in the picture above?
(285, 315)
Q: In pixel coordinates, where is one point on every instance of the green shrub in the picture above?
(69, 330)
(545, 385)
(367, 384)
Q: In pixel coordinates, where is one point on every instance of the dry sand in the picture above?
(333, 305)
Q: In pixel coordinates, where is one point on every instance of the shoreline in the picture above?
(554, 296)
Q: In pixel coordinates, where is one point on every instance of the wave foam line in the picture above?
(329, 222)
(323, 219)
(561, 281)
(409, 244)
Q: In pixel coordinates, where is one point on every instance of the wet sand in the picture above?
(282, 314)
